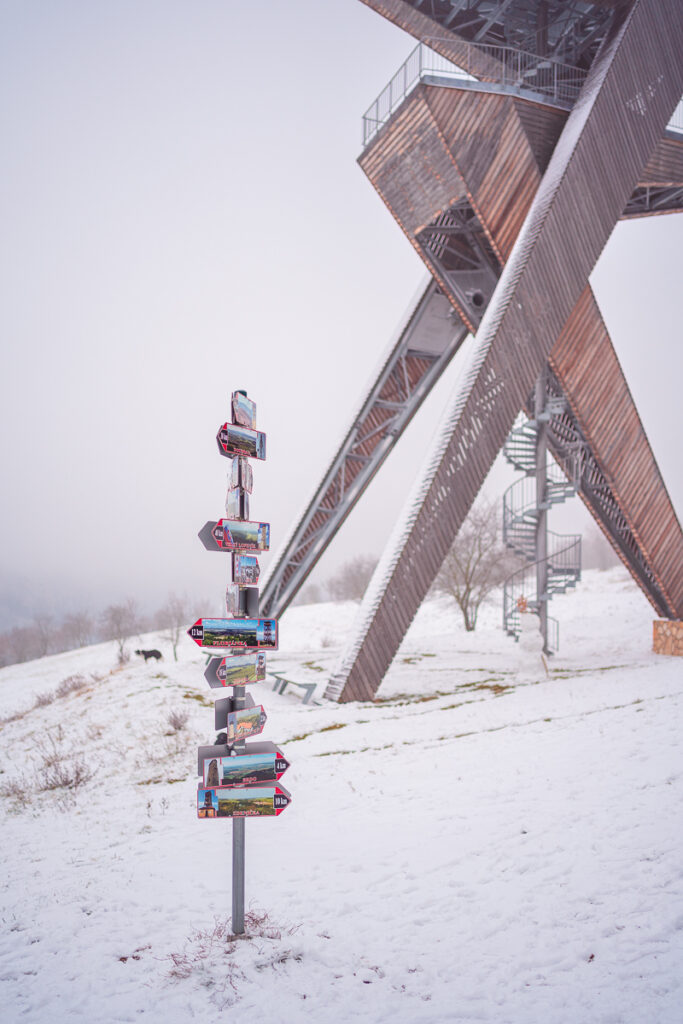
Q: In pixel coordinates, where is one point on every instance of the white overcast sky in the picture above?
(182, 215)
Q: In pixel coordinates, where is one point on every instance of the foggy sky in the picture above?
(182, 216)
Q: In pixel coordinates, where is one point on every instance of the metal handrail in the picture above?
(565, 555)
(516, 68)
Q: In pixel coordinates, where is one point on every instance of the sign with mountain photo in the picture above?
(247, 802)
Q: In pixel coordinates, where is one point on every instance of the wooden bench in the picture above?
(281, 684)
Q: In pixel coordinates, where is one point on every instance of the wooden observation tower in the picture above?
(507, 147)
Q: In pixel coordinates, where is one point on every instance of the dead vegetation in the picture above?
(212, 955)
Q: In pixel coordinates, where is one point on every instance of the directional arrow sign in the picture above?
(261, 763)
(245, 633)
(235, 535)
(250, 802)
(236, 440)
(236, 670)
(241, 723)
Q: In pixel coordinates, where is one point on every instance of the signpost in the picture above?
(239, 725)
(249, 802)
(249, 634)
(235, 535)
(239, 780)
(236, 670)
(263, 763)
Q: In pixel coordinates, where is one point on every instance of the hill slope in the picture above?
(481, 844)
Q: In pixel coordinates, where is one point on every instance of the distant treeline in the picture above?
(46, 634)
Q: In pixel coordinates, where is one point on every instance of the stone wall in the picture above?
(667, 637)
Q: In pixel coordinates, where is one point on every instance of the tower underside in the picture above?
(509, 202)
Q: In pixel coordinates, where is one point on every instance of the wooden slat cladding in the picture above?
(411, 168)
(585, 363)
(543, 126)
(492, 153)
(490, 150)
(606, 141)
(665, 166)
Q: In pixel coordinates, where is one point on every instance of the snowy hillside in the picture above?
(481, 844)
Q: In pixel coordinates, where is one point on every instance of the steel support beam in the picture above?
(425, 345)
(607, 139)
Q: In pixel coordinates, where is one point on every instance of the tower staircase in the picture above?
(553, 560)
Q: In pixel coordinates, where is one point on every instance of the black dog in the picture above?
(150, 654)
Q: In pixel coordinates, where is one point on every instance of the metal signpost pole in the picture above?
(239, 701)
(239, 779)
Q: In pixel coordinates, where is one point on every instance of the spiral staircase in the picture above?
(553, 560)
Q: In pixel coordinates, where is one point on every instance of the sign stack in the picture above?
(239, 779)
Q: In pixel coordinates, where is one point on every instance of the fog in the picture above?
(182, 216)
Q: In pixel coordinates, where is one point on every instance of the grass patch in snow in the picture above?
(199, 697)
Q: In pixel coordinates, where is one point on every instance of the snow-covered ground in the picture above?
(481, 844)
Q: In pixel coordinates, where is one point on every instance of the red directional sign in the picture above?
(235, 535)
(249, 634)
(236, 440)
(240, 723)
(261, 763)
(236, 670)
(249, 802)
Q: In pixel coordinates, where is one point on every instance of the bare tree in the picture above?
(477, 562)
(76, 631)
(173, 619)
(350, 582)
(21, 644)
(43, 631)
(119, 622)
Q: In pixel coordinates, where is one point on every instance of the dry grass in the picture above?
(178, 718)
(67, 774)
(212, 954)
(72, 684)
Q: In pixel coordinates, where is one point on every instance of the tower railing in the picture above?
(508, 67)
(513, 68)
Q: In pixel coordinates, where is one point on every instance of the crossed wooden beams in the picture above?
(547, 225)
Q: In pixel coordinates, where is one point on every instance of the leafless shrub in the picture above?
(43, 699)
(16, 788)
(211, 953)
(50, 747)
(71, 774)
(72, 684)
(178, 718)
(327, 641)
